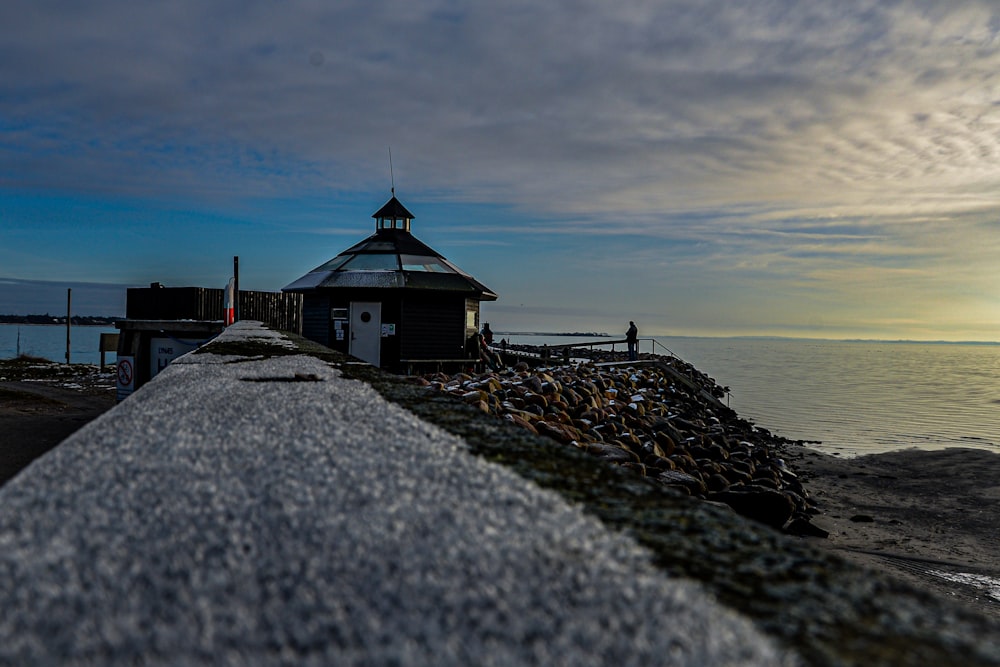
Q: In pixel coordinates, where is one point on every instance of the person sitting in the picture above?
(488, 356)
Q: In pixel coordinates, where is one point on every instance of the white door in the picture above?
(366, 331)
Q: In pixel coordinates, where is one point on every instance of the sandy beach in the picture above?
(916, 515)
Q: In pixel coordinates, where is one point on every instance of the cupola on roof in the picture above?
(391, 258)
(392, 213)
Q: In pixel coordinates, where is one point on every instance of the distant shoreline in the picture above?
(49, 320)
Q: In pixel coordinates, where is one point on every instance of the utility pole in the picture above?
(69, 315)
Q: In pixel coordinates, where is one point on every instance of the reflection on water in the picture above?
(855, 397)
(861, 397)
(989, 585)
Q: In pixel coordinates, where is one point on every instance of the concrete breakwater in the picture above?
(255, 505)
(658, 417)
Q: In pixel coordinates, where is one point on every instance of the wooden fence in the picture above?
(278, 310)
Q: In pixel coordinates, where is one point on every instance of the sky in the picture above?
(702, 167)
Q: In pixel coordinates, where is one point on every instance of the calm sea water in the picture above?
(49, 342)
(854, 397)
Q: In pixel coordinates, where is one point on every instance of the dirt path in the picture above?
(918, 515)
(42, 402)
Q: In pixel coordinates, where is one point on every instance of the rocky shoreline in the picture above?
(924, 517)
(660, 418)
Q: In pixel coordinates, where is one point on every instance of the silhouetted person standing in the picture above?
(632, 338)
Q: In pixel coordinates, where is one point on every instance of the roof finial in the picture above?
(392, 179)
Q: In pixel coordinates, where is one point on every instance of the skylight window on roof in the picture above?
(333, 264)
(427, 263)
(372, 263)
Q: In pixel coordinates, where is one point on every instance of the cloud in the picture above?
(563, 106)
(823, 144)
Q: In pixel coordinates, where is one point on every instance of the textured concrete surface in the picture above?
(263, 511)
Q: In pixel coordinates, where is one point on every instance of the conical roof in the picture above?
(391, 258)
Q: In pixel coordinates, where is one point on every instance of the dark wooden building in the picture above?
(391, 300)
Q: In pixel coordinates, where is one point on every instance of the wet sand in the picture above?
(913, 514)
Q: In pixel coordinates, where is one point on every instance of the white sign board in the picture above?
(164, 350)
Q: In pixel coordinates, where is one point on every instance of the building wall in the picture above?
(433, 327)
(428, 325)
(316, 318)
(328, 311)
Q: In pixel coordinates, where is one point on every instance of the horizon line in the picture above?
(903, 341)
